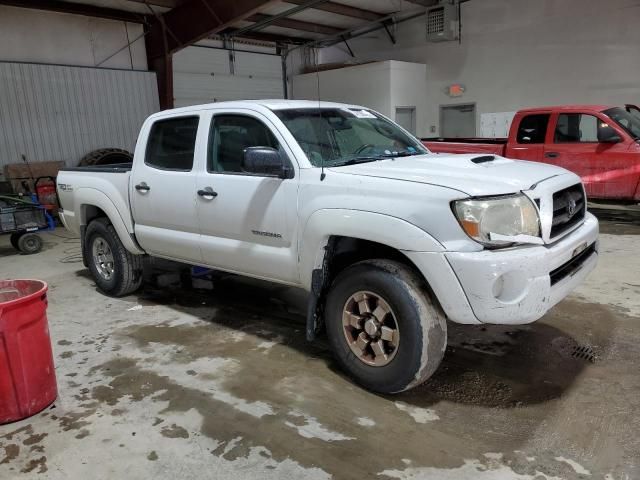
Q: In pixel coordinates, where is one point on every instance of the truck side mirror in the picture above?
(606, 134)
(265, 161)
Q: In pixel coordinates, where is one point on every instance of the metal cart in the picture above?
(23, 220)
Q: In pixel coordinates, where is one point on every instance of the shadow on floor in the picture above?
(494, 366)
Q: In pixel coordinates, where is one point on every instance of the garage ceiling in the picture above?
(293, 21)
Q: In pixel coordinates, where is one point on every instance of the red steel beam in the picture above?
(194, 20)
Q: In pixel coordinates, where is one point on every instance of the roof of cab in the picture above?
(274, 104)
(555, 108)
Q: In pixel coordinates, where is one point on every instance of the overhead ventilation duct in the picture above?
(443, 21)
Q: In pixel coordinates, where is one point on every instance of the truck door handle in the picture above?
(143, 187)
(551, 154)
(207, 192)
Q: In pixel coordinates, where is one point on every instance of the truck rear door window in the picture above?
(171, 144)
(576, 128)
(533, 128)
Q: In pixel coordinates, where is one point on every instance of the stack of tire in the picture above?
(106, 156)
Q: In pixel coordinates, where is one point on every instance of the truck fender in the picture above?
(95, 198)
(327, 224)
(385, 229)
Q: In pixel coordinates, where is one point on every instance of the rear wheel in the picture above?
(383, 326)
(115, 270)
(29, 243)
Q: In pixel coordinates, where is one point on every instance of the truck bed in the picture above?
(106, 186)
(494, 146)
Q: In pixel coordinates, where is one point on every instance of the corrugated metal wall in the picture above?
(203, 75)
(52, 112)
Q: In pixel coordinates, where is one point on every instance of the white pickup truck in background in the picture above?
(389, 239)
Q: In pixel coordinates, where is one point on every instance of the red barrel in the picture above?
(27, 373)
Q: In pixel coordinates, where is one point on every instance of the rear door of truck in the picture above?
(163, 188)
(527, 136)
(573, 143)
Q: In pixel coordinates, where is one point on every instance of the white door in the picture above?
(406, 118)
(163, 192)
(248, 222)
(204, 75)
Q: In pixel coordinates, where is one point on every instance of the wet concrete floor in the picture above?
(176, 383)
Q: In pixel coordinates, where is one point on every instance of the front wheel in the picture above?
(385, 329)
(115, 270)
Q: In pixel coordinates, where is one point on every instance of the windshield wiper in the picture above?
(353, 161)
(373, 158)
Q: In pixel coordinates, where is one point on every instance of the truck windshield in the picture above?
(628, 122)
(344, 136)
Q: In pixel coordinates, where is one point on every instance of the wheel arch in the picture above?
(92, 204)
(323, 255)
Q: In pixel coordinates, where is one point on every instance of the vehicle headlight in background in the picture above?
(489, 220)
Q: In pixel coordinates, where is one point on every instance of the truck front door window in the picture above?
(629, 121)
(230, 135)
(171, 144)
(576, 128)
(533, 128)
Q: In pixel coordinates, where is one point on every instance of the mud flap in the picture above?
(314, 315)
(83, 246)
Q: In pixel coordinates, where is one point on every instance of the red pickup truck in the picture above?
(598, 142)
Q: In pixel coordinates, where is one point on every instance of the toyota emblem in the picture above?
(571, 208)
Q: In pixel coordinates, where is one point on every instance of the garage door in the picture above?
(205, 75)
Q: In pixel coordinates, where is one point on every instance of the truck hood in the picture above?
(497, 177)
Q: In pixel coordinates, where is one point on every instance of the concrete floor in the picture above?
(179, 384)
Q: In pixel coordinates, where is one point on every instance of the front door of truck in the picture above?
(163, 187)
(575, 144)
(248, 222)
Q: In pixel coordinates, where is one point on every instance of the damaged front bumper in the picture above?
(511, 286)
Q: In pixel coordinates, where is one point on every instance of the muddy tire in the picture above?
(29, 243)
(384, 328)
(116, 271)
(106, 156)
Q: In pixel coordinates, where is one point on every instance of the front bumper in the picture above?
(512, 286)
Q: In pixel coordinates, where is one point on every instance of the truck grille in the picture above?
(569, 207)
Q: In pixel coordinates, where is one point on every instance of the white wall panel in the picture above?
(204, 75)
(29, 35)
(52, 112)
(518, 53)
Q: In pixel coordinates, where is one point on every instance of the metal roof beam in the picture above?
(78, 9)
(341, 9)
(194, 20)
(296, 24)
(274, 18)
(160, 3)
(392, 18)
(266, 37)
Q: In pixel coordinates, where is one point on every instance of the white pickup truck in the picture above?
(388, 239)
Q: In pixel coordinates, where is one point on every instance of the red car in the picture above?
(598, 142)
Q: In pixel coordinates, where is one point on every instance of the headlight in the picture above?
(499, 221)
